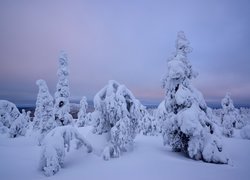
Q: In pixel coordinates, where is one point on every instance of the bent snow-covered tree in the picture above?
(11, 120)
(116, 112)
(62, 106)
(44, 119)
(8, 113)
(55, 143)
(187, 127)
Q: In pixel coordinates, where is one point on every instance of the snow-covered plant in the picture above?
(245, 132)
(26, 115)
(8, 113)
(82, 114)
(186, 124)
(62, 105)
(116, 112)
(19, 126)
(245, 115)
(54, 145)
(44, 119)
(3, 129)
(147, 124)
(230, 116)
(227, 115)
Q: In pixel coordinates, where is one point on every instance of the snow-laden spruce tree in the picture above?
(62, 105)
(44, 119)
(117, 113)
(55, 143)
(186, 123)
(83, 118)
(230, 116)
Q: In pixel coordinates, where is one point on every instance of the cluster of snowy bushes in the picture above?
(183, 119)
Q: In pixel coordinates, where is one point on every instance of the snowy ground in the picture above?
(148, 160)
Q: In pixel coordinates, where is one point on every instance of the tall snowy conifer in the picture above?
(186, 124)
(44, 119)
(62, 106)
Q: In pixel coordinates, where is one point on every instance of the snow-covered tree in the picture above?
(82, 114)
(230, 116)
(116, 112)
(8, 113)
(186, 124)
(19, 126)
(44, 119)
(245, 132)
(55, 143)
(147, 124)
(11, 120)
(26, 115)
(62, 106)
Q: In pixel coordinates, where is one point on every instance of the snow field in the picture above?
(148, 160)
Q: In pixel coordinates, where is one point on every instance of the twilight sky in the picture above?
(128, 41)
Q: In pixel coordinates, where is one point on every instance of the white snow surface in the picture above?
(19, 159)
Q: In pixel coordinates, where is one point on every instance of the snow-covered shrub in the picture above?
(44, 119)
(186, 124)
(245, 132)
(26, 115)
(62, 105)
(8, 113)
(83, 118)
(19, 126)
(116, 112)
(54, 144)
(147, 124)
